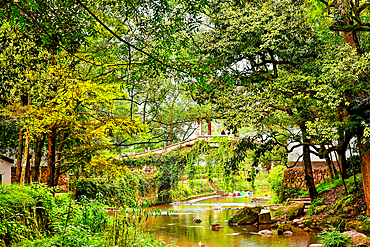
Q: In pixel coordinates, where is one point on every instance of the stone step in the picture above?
(301, 199)
(304, 202)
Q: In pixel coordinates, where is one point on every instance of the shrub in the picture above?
(334, 238)
(117, 192)
(355, 160)
(281, 192)
(314, 204)
(25, 212)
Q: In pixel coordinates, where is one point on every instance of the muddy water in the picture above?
(180, 229)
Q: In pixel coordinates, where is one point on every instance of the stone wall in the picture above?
(294, 177)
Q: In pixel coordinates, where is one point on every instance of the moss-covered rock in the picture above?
(283, 228)
(320, 209)
(359, 226)
(331, 221)
(291, 212)
(353, 225)
(264, 218)
(216, 226)
(311, 222)
(245, 216)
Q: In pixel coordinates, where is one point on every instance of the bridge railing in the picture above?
(173, 146)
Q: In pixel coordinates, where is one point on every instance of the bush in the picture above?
(314, 204)
(117, 192)
(355, 160)
(351, 183)
(32, 216)
(326, 185)
(334, 238)
(281, 192)
(25, 212)
(191, 188)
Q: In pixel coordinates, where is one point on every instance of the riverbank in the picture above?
(34, 216)
(339, 213)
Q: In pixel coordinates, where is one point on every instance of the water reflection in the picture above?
(179, 226)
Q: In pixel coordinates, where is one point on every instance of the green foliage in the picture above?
(334, 238)
(93, 216)
(281, 192)
(343, 202)
(191, 188)
(200, 161)
(314, 204)
(118, 191)
(32, 216)
(275, 178)
(355, 161)
(287, 192)
(8, 136)
(326, 185)
(337, 182)
(25, 212)
(351, 186)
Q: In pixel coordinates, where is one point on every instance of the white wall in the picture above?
(293, 156)
(6, 168)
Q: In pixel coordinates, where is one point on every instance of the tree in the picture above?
(259, 67)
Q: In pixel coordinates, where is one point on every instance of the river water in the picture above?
(178, 227)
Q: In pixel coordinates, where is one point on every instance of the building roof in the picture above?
(6, 159)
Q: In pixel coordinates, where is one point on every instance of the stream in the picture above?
(178, 227)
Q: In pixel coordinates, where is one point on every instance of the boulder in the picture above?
(266, 233)
(274, 226)
(359, 226)
(197, 221)
(264, 218)
(330, 221)
(245, 216)
(306, 229)
(283, 228)
(297, 221)
(288, 233)
(358, 238)
(320, 209)
(216, 226)
(311, 222)
(291, 212)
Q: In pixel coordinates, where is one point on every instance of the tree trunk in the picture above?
(353, 167)
(342, 149)
(333, 165)
(18, 171)
(59, 157)
(26, 161)
(51, 156)
(330, 168)
(365, 170)
(27, 172)
(342, 163)
(39, 144)
(308, 174)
